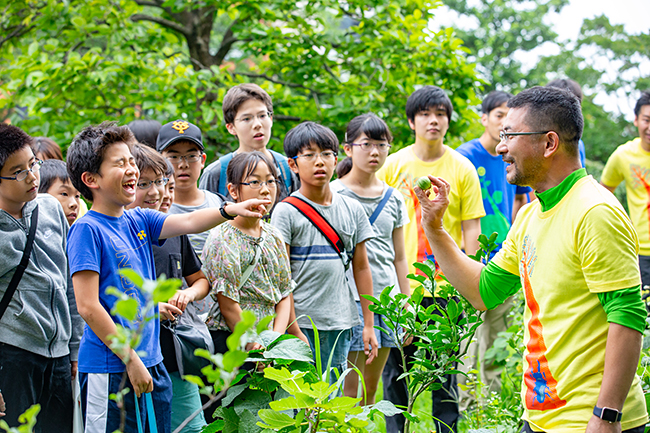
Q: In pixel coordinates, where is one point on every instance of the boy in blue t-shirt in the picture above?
(322, 291)
(107, 239)
(501, 201)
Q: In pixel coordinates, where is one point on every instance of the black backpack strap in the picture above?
(24, 261)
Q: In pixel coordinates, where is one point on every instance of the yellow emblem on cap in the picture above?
(180, 126)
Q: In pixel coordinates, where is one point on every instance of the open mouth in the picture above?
(129, 186)
(182, 176)
(320, 173)
(72, 216)
(151, 202)
(258, 136)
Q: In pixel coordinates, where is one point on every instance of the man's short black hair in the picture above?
(12, 139)
(309, 133)
(567, 84)
(494, 99)
(51, 170)
(426, 98)
(145, 131)
(643, 100)
(86, 153)
(552, 109)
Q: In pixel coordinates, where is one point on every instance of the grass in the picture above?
(422, 409)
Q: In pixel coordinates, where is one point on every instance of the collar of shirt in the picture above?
(549, 198)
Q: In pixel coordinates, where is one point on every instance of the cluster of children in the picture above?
(153, 211)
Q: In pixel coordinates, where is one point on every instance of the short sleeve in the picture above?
(607, 246)
(470, 197)
(222, 265)
(401, 217)
(496, 285)
(83, 247)
(155, 220)
(281, 219)
(612, 173)
(507, 258)
(191, 262)
(364, 229)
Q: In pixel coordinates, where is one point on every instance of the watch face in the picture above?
(610, 415)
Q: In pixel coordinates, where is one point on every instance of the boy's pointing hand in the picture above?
(255, 208)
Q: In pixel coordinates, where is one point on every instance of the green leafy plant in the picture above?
(27, 421)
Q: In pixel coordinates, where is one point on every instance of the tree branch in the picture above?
(148, 3)
(226, 43)
(19, 31)
(288, 118)
(276, 81)
(163, 22)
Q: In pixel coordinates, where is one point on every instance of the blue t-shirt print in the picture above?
(498, 195)
(105, 244)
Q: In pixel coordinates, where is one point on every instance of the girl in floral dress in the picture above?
(245, 260)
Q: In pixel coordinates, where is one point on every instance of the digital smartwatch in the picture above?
(224, 214)
(608, 414)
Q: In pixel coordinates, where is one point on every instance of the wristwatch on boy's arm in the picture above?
(222, 209)
(608, 414)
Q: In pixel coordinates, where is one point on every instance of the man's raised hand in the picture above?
(433, 210)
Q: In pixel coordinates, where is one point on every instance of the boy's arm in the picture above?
(363, 280)
(198, 288)
(203, 220)
(86, 289)
(471, 232)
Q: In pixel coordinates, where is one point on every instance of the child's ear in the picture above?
(292, 165)
(348, 149)
(231, 128)
(232, 190)
(90, 179)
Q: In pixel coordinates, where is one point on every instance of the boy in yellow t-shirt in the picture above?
(428, 111)
(630, 163)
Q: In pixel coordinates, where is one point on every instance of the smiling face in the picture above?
(252, 125)
(186, 173)
(114, 187)
(369, 161)
(523, 153)
(430, 125)
(151, 197)
(642, 122)
(14, 194)
(68, 196)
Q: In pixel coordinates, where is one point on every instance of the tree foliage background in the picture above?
(65, 64)
(71, 63)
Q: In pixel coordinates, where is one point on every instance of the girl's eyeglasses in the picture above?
(256, 184)
(381, 147)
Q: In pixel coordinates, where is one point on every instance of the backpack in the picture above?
(285, 171)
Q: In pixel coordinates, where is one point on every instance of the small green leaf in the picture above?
(276, 420)
(127, 308)
(263, 324)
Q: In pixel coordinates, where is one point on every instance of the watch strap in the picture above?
(224, 214)
(608, 414)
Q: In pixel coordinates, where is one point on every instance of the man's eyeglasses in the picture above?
(22, 174)
(176, 159)
(381, 147)
(327, 155)
(146, 184)
(263, 117)
(505, 136)
(256, 184)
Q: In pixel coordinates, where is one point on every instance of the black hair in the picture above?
(552, 109)
(244, 164)
(426, 98)
(86, 153)
(567, 84)
(643, 100)
(344, 167)
(47, 148)
(494, 99)
(12, 139)
(308, 133)
(147, 158)
(369, 124)
(51, 170)
(145, 131)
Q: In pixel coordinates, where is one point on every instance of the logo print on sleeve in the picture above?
(640, 177)
(541, 392)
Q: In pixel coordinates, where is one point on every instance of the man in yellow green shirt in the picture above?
(428, 111)
(574, 253)
(630, 163)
